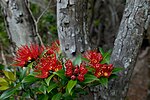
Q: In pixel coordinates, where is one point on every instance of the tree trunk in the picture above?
(127, 44)
(72, 26)
(19, 23)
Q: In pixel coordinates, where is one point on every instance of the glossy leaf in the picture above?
(49, 79)
(90, 78)
(106, 57)
(29, 79)
(70, 85)
(1, 67)
(57, 96)
(7, 93)
(61, 74)
(51, 87)
(42, 89)
(117, 69)
(104, 81)
(113, 76)
(101, 51)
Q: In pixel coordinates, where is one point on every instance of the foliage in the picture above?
(43, 74)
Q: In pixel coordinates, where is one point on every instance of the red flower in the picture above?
(104, 70)
(82, 69)
(94, 57)
(48, 63)
(43, 74)
(27, 53)
(80, 77)
(75, 71)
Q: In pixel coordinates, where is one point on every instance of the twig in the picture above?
(37, 21)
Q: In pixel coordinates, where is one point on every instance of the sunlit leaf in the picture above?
(49, 79)
(70, 85)
(10, 75)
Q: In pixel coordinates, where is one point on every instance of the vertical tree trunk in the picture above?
(19, 23)
(72, 26)
(127, 44)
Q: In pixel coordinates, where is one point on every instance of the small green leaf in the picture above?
(10, 75)
(4, 87)
(42, 89)
(78, 60)
(61, 74)
(23, 72)
(57, 96)
(1, 67)
(49, 79)
(29, 79)
(101, 51)
(7, 93)
(106, 57)
(104, 81)
(30, 65)
(51, 87)
(117, 69)
(112, 76)
(90, 78)
(2, 80)
(70, 85)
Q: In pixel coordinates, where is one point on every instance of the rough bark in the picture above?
(19, 23)
(126, 47)
(72, 26)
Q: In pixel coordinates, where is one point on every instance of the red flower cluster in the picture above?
(46, 64)
(27, 53)
(75, 72)
(95, 58)
(104, 70)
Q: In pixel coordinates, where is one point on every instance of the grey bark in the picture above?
(19, 23)
(72, 26)
(126, 47)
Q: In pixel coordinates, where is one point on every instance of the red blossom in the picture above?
(93, 57)
(104, 70)
(27, 53)
(75, 71)
(80, 77)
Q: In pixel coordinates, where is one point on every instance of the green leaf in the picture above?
(112, 76)
(78, 60)
(30, 65)
(4, 87)
(1, 67)
(57, 96)
(61, 74)
(101, 51)
(70, 85)
(104, 81)
(106, 57)
(89, 78)
(51, 87)
(49, 79)
(42, 89)
(2, 80)
(23, 72)
(7, 93)
(116, 70)
(10, 75)
(29, 79)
